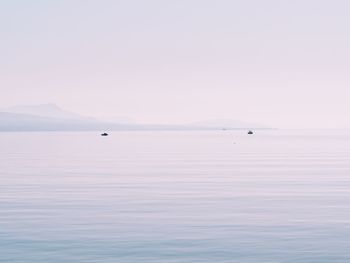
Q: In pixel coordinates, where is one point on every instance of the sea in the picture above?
(175, 196)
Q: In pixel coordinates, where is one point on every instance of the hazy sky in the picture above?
(278, 62)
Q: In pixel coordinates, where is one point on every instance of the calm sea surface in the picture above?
(142, 197)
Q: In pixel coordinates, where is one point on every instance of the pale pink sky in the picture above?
(281, 63)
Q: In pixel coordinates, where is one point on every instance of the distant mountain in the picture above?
(50, 117)
(227, 124)
(26, 122)
(45, 110)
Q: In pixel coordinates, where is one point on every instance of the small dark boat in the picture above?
(104, 134)
(250, 132)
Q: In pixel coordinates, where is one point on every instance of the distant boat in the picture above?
(104, 134)
(250, 132)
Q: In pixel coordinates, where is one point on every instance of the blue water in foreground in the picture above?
(223, 196)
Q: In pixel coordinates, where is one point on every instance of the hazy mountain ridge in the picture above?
(28, 122)
(45, 110)
(50, 117)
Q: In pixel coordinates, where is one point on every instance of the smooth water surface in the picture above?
(218, 196)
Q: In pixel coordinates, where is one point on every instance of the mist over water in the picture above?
(214, 196)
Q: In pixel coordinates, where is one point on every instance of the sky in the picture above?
(281, 63)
